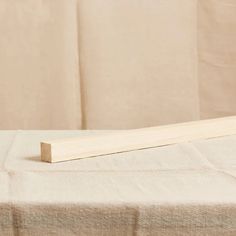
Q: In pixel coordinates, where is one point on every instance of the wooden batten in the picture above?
(121, 141)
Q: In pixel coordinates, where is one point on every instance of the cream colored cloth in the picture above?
(187, 189)
(71, 64)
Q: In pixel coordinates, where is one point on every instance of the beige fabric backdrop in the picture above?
(95, 64)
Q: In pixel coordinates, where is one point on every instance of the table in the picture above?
(183, 189)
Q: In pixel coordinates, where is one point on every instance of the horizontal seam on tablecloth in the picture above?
(115, 171)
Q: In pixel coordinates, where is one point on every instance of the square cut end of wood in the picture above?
(46, 154)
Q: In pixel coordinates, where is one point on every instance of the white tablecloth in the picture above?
(184, 189)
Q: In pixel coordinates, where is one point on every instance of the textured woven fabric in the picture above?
(187, 189)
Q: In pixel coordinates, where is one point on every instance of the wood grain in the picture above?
(122, 141)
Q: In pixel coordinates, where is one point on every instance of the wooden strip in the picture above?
(121, 141)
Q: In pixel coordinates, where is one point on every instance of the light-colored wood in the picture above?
(121, 141)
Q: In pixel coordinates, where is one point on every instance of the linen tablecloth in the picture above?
(182, 189)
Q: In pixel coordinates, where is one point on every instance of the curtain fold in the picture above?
(217, 57)
(93, 64)
(39, 74)
(138, 62)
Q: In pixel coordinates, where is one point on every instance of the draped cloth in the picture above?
(93, 64)
(183, 189)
